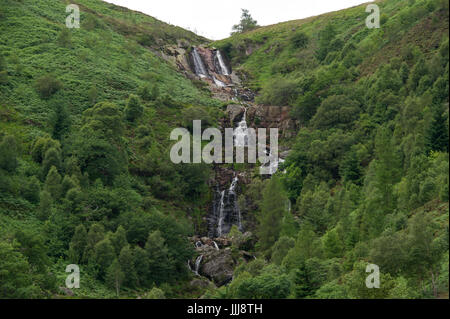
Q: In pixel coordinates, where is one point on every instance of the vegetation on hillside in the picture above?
(367, 175)
(85, 120)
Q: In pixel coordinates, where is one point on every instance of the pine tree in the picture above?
(302, 282)
(437, 134)
(247, 23)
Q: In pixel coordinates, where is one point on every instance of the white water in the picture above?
(241, 132)
(221, 213)
(219, 83)
(216, 246)
(198, 261)
(223, 67)
(200, 69)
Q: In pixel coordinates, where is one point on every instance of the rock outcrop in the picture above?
(272, 117)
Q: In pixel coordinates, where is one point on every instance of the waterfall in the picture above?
(227, 212)
(223, 68)
(219, 83)
(200, 69)
(241, 132)
(215, 245)
(221, 213)
(198, 261)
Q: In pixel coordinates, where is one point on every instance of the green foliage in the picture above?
(8, 154)
(16, 281)
(47, 85)
(134, 109)
(300, 40)
(115, 276)
(155, 293)
(247, 23)
(271, 214)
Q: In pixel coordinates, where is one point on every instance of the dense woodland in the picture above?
(85, 175)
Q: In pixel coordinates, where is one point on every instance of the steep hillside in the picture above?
(85, 120)
(366, 179)
(86, 178)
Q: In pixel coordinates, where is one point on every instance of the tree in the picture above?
(302, 281)
(247, 23)
(96, 233)
(15, 274)
(134, 109)
(281, 248)
(158, 257)
(53, 183)
(47, 85)
(437, 134)
(104, 256)
(142, 267)
(45, 205)
(336, 111)
(155, 293)
(272, 212)
(127, 265)
(78, 244)
(52, 157)
(115, 276)
(8, 154)
(119, 239)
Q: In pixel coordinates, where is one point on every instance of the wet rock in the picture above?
(235, 112)
(218, 266)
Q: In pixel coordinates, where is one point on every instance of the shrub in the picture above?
(134, 108)
(279, 91)
(47, 85)
(300, 40)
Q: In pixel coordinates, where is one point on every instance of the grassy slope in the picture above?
(105, 61)
(272, 44)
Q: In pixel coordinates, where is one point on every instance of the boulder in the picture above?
(235, 111)
(218, 266)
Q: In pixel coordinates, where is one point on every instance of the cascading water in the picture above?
(219, 83)
(220, 64)
(199, 67)
(226, 212)
(198, 262)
